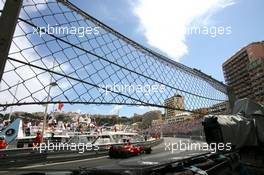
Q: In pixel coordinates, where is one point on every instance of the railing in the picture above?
(28, 156)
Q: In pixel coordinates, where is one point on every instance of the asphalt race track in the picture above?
(161, 153)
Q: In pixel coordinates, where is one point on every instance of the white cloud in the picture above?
(33, 85)
(116, 109)
(165, 22)
(79, 111)
(149, 108)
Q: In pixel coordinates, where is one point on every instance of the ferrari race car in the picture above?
(127, 150)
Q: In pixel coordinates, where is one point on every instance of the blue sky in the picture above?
(160, 25)
(163, 25)
(204, 52)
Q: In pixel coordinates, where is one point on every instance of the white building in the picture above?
(179, 118)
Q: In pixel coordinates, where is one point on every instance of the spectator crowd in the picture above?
(182, 128)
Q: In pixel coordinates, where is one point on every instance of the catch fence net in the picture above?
(61, 54)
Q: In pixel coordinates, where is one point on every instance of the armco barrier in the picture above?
(28, 156)
(191, 137)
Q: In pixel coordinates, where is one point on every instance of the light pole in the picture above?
(161, 130)
(11, 111)
(52, 84)
(46, 108)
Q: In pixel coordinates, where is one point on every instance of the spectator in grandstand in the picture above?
(6, 123)
(38, 139)
(27, 131)
(1, 125)
(3, 143)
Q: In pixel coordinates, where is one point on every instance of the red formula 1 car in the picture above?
(127, 150)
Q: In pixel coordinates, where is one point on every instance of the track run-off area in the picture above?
(167, 151)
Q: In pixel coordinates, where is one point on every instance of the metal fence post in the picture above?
(8, 20)
(231, 97)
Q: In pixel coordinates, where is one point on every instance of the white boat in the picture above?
(106, 136)
(100, 136)
(16, 136)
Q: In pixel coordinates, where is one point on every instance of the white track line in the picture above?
(59, 163)
(66, 162)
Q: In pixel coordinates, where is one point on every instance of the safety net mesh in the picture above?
(59, 53)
